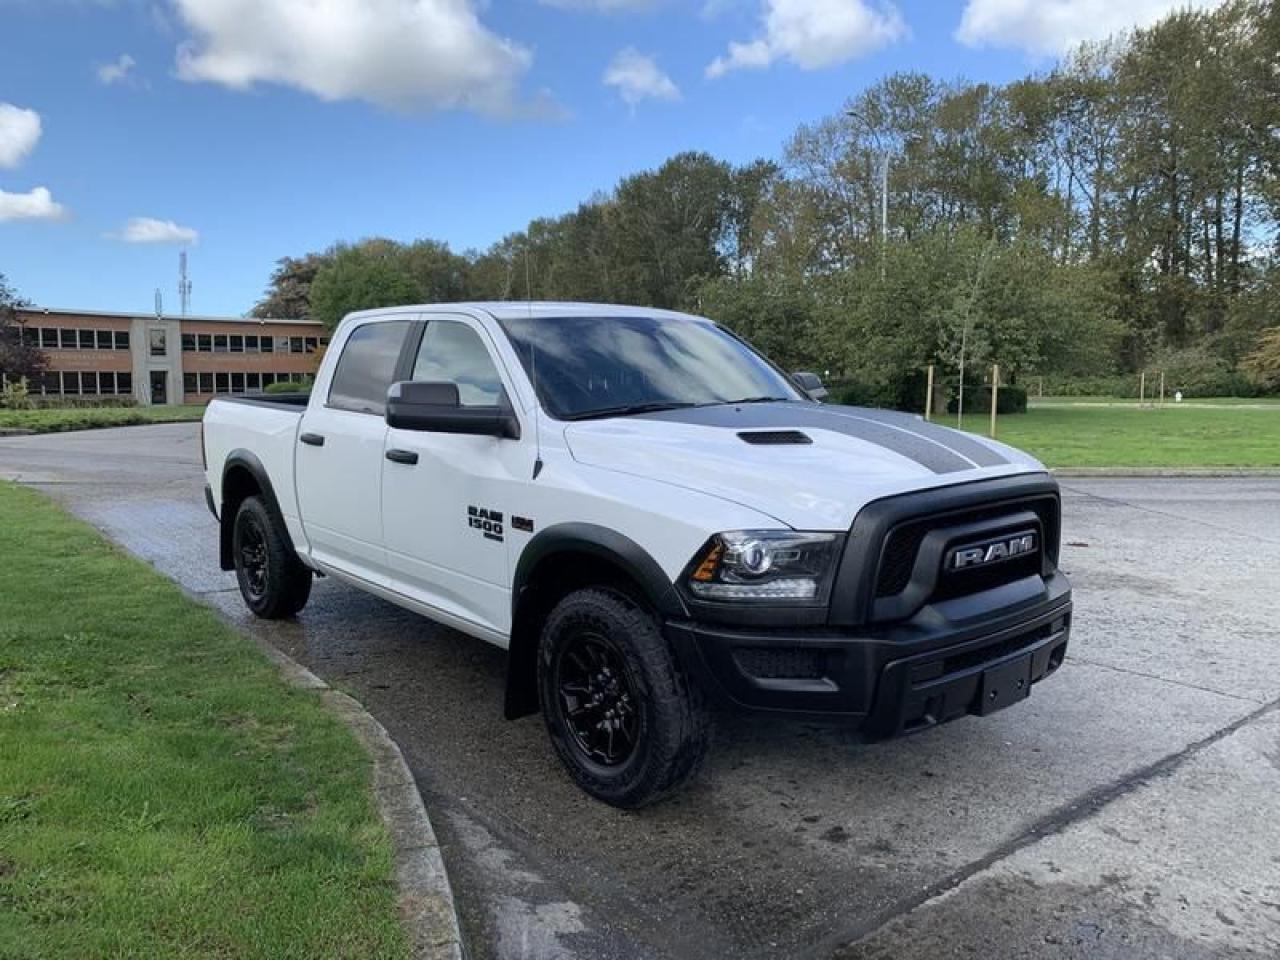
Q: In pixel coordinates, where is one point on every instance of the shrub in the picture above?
(15, 395)
(288, 386)
(905, 393)
(977, 399)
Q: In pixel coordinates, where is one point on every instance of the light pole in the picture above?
(884, 182)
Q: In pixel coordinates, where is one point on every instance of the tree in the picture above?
(288, 293)
(20, 356)
(1264, 363)
(361, 277)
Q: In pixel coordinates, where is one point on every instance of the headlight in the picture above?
(765, 565)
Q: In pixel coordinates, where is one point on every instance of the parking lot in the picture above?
(1128, 809)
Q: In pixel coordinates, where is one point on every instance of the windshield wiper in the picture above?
(628, 410)
(732, 403)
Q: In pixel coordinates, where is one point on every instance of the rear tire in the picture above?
(274, 583)
(628, 725)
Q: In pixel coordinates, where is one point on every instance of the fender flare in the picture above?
(577, 538)
(241, 459)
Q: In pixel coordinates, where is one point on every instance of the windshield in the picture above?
(606, 366)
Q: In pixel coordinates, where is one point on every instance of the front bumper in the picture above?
(950, 659)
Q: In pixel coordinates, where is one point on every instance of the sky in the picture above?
(242, 131)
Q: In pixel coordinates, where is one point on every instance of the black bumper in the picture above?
(948, 660)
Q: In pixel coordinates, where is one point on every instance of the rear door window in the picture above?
(367, 366)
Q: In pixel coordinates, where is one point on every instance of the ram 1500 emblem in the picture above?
(992, 551)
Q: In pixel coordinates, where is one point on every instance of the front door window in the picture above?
(159, 387)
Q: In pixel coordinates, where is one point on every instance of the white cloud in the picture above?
(813, 34)
(638, 77)
(19, 133)
(36, 205)
(150, 230)
(1051, 27)
(407, 54)
(117, 71)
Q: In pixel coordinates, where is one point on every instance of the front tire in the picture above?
(273, 582)
(629, 727)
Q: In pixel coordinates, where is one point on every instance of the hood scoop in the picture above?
(774, 438)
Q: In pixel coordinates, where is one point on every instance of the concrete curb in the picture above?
(426, 899)
(1172, 472)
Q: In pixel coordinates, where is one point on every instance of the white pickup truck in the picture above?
(652, 519)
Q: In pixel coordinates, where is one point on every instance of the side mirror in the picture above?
(811, 384)
(435, 408)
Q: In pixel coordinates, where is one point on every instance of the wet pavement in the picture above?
(1130, 808)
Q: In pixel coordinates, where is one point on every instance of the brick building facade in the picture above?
(167, 359)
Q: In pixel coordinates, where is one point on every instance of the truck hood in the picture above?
(810, 466)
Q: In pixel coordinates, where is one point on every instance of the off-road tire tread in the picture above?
(288, 578)
(680, 725)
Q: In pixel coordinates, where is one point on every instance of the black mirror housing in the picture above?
(811, 384)
(434, 407)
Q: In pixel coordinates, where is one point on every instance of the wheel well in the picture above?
(553, 578)
(238, 485)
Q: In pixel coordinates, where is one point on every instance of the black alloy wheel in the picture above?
(274, 582)
(597, 700)
(253, 557)
(628, 725)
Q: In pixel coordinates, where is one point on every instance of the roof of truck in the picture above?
(538, 309)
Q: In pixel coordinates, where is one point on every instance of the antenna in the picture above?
(184, 284)
(159, 305)
(533, 364)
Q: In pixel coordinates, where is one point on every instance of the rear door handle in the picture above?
(402, 456)
(312, 439)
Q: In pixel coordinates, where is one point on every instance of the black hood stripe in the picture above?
(933, 447)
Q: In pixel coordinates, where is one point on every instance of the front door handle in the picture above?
(312, 439)
(402, 456)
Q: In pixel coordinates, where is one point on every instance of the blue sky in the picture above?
(245, 130)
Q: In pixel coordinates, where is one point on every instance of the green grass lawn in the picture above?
(1130, 436)
(56, 421)
(162, 792)
(1189, 402)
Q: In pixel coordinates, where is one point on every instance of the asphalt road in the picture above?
(1130, 808)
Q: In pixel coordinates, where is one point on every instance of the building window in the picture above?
(206, 383)
(124, 383)
(190, 383)
(251, 344)
(122, 339)
(221, 383)
(253, 382)
(49, 338)
(159, 345)
(237, 343)
(67, 339)
(324, 341)
(87, 340)
(311, 344)
(266, 344)
(103, 340)
(51, 381)
(188, 343)
(237, 383)
(295, 345)
(219, 343)
(204, 343)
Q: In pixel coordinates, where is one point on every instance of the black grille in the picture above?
(774, 437)
(897, 560)
(781, 663)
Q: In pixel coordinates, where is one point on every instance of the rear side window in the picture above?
(367, 366)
